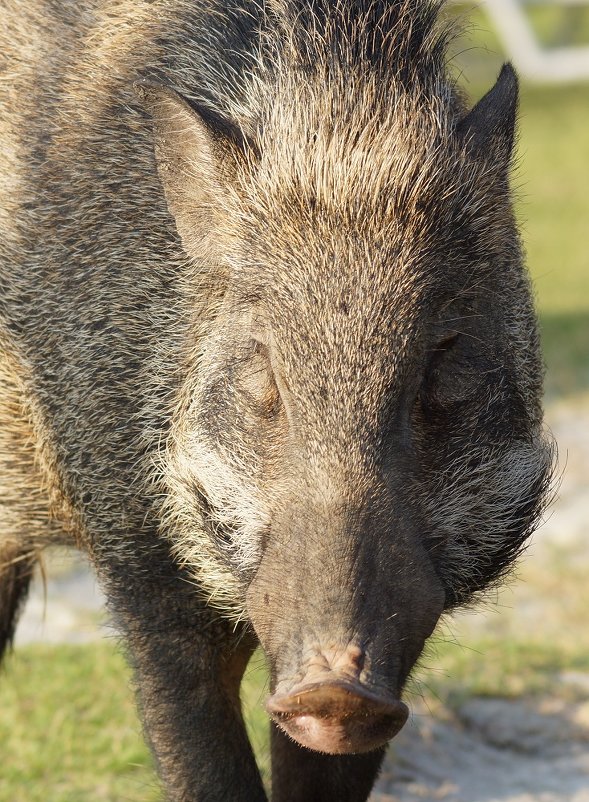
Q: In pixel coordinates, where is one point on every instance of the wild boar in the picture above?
(268, 355)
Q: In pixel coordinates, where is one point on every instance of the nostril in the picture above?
(338, 717)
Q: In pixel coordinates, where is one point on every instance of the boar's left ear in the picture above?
(489, 128)
(196, 151)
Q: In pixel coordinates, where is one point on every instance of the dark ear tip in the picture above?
(508, 77)
(489, 127)
(508, 70)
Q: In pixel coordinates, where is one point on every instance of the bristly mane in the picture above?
(246, 47)
(352, 110)
(400, 38)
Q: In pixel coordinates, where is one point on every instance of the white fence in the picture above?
(534, 61)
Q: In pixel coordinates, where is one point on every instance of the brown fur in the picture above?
(268, 348)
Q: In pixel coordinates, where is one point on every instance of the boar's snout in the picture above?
(338, 717)
(342, 603)
(334, 705)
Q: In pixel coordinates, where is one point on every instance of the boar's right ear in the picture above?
(195, 151)
(489, 128)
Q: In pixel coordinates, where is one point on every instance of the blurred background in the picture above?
(500, 704)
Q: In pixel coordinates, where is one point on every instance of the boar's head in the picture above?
(358, 444)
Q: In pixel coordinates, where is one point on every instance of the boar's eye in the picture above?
(451, 374)
(440, 351)
(258, 383)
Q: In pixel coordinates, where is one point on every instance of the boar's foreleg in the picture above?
(188, 665)
(300, 775)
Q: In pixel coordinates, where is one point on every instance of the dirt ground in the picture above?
(492, 750)
(484, 750)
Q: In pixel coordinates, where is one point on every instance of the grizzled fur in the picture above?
(280, 377)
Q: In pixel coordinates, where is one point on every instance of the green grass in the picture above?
(68, 728)
(554, 209)
(253, 693)
(554, 205)
(451, 672)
